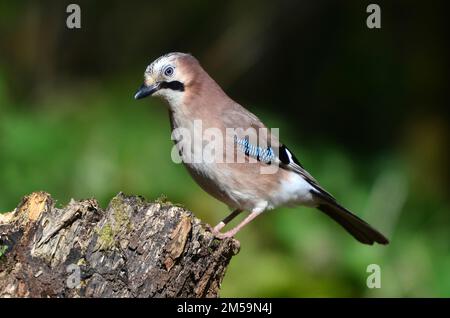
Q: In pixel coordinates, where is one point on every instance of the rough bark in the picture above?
(133, 248)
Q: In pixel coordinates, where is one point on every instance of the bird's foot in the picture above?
(216, 229)
(222, 236)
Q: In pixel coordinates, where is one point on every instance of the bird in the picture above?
(194, 97)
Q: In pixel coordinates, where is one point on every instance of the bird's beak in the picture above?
(146, 90)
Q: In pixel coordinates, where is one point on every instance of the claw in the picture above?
(216, 230)
(222, 236)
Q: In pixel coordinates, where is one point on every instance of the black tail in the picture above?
(357, 227)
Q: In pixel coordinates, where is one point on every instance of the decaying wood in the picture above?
(133, 248)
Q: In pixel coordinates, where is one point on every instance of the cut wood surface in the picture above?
(133, 248)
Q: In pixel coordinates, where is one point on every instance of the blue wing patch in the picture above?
(265, 155)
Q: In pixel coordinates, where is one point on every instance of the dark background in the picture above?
(363, 109)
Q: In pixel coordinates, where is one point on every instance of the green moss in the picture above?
(121, 217)
(106, 237)
(119, 223)
(110, 233)
(82, 262)
(3, 249)
(164, 201)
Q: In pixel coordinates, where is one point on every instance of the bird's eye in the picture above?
(168, 71)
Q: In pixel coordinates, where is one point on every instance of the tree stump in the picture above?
(133, 248)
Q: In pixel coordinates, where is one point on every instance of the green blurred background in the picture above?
(362, 109)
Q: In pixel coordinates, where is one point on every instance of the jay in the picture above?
(192, 97)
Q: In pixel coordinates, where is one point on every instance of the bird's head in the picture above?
(168, 77)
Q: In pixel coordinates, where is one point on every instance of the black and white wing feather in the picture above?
(290, 162)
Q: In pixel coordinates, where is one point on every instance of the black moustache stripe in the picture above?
(174, 85)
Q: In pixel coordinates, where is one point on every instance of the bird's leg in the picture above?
(226, 220)
(238, 227)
